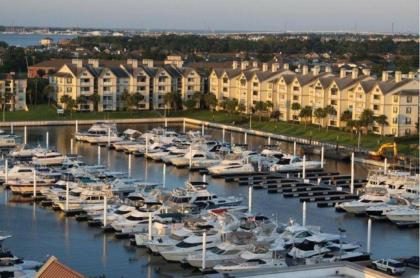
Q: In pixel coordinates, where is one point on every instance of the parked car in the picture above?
(412, 261)
(390, 266)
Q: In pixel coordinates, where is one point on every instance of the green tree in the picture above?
(306, 114)
(190, 104)
(171, 100)
(346, 116)
(48, 91)
(320, 114)
(367, 119)
(260, 108)
(295, 107)
(382, 120)
(64, 99)
(80, 100)
(198, 99)
(210, 101)
(95, 99)
(231, 105)
(330, 111)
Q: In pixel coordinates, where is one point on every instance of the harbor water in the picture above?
(39, 232)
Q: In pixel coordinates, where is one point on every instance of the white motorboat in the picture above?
(404, 216)
(189, 157)
(7, 142)
(48, 158)
(100, 132)
(293, 163)
(373, 197)
(193, 243)
(377, 211)
(17, 172)
(251, 266)
(230, 167)
(235, 243)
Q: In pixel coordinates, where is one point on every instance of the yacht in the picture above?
(7, 142)
(193, 243)
(377, 211)
(17, 172)
(100, 132)
(373, 196)
(251, 266)
(235, 243)
(129, 136)
(294, 163)
(230, 167)
(404, 216)
(48, 158)
(189, 157)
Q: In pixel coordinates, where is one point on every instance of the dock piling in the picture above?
(385, 165)
(202, 129)
(11, 128)
(223, 135)
(369, 234)
(304, 167)
(71, 146)
(6, 171)
(304, 213)
(322, 157)
(250, 199)
(352, 174)
(203, 262)
(183, 126)
(105, 210)
(99, 155)
(149, 232)
(245, 138)
(67, 196)
(109, 137)
(25, 135)
(294, 147)
(164, 175)
(204, 177)
(77, 126)
(129, 165)
(34, 182)
(269, 140)
(47, 140)
(190, 161)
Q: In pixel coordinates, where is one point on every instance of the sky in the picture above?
(213, 15)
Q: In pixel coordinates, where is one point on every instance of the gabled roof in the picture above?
(306, 79)
(326, 81)
(173, 71)
(288, 78)
(53, 269)
(408, 92)
(232, 72)
(119, 72)
(388, 86)
(368, 85)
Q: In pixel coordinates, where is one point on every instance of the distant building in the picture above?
(46, 42)
(396, 98)
(54, 269)
(13, 92)
(112, 79)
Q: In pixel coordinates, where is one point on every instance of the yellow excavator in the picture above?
(380, 153)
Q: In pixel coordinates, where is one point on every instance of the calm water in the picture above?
(30, 39)
(40, 232)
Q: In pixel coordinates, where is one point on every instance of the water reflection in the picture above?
(42, 231)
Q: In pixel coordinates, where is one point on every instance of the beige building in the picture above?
(396, 98)
(13, 92)
(112, 80)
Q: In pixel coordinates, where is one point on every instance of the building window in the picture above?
(243, 82)
(295, 97)
(409, 99)
(68, 89)
(333, 91)
(162, 78)
(68, 80)
(225, 89)
(408, 121)
(255, 84)
(395, 109)
(295, 88)
(408, 110)
(255, 93)
(333, 102)
(161, 88)
(225, 80)
(190, 88)
(141, 88)
(86, 80)
(377, 97)
(375, 107)
(141, 78)
(395, 98)
(394, 120)
(407, 132)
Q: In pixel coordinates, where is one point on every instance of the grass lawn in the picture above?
(370, 141)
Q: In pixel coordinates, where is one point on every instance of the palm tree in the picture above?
(367, 119)
(241, 109)
(346, 116)
(210, 101)
(189, 104)
(81, 100)
(320, 114)
(136, 99)
(171, 100)
(47, 91)
(70, 106)
(306, 113)
(65, 99)
(295, 107)
(231, 105)
(269, 104)
(125, 96)
(198, 99)
(95, 99)
(382, 121)
(330, 111)
(260, 107)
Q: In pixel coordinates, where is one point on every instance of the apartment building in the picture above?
(396, 98)
(112, 80)
(13, 92)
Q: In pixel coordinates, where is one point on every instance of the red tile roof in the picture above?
(54, 269)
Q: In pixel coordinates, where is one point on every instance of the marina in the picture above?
(302, 190)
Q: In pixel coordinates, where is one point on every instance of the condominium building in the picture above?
(112, 80)
(13, 92)
(396, 98)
